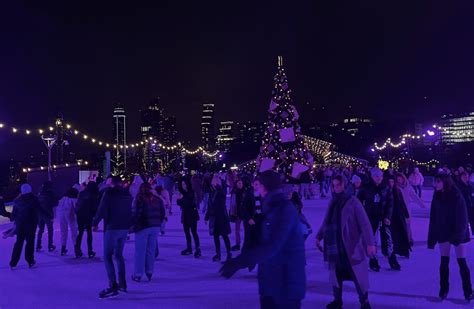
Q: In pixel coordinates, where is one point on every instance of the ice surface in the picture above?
(186, 282)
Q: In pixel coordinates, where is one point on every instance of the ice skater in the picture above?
(449, 228)
(348, 240)
(280, 252)
(116, 210)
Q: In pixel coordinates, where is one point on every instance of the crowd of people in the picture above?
(367, 207)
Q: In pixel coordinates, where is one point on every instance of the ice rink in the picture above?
(186, 282)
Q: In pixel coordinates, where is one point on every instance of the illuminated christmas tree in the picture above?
(283, 147)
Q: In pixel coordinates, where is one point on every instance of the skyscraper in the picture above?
(151, 120)
(227, 134)
(457, 129)
(169, 130)
(120, 138)
(155, 125)
(207, 126)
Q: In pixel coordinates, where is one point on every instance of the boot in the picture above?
(374, 264)
(337, 302)
(216, 258)
(188, 250)
(392, 261)
(444, 277)
(63, 250)
(197, 253)
(466, 278)
(51, 248)
(91, 254)
(77, 252)
(364, 301)
(229, 256)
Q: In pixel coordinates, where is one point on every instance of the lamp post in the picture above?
(49, 142)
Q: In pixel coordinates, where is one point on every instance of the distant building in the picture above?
(457, 129)
(151, 120)
(250, 132)
(207, 126)
(155, 125)
(355, 125)
(227, 135)
(120, 138)
(169, 133)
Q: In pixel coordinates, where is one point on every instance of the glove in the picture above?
(229, 269)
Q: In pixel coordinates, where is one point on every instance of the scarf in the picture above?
(334, 251)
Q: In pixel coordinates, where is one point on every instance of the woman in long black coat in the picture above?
(246, 211)
(449, 228)
(189, 216)
(398, 223)
(219, 221)
(86, 208)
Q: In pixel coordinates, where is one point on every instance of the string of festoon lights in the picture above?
(403, 139)
(97, 142)
(54, 166)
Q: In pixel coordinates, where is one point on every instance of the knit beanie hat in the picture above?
(376, 172)
(356, 178)
(25, 188)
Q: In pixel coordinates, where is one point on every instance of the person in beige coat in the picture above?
(348, 241)
(410, 197)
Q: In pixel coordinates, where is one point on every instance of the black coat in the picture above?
(189, 212)
(48, 202)
(280, 254)
(217, 215)
(377, 201)
(26, 211)
(398, 226)
(87, 203)
(116, 209)
(448, 218)
(147, 213)
(245, 204)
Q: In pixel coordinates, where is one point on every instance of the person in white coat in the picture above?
(416, 180)
(67, 218)
(410, 197)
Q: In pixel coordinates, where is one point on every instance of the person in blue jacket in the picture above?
(280, 254)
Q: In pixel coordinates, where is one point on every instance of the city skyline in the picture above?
(104, 55)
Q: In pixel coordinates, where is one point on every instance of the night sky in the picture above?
(415, 60)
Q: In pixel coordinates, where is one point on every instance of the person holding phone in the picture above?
(348, 240)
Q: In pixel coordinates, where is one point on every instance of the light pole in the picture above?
(49, 142)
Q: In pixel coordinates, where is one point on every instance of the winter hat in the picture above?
(355, 178)
(25, 188)
(375, 171)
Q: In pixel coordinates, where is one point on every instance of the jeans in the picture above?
(88, 228)
(114, 241)
(304, 191)
(49, 225)
(67, 220)
(145, 249)
(385, 237)
(205, 201)
(21, 237)
(417, 190)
